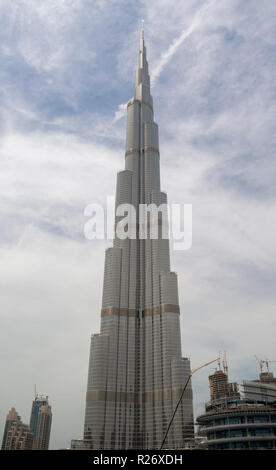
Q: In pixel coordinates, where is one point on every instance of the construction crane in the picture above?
(262, 362)
(266, 362)
(224, 363)
(181, 396)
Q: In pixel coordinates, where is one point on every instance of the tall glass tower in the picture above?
(40, 422)
(136, 369)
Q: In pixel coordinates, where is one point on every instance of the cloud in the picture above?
(200, 17)
(47, 180)
(121, 111)
(166, 56)
(65, 68)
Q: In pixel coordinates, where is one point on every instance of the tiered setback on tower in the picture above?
(136, 372)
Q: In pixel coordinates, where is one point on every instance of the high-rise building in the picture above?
(39, 401)
(43, 428)
(17, 435)
(220, 387)
(136, 369)
(218, 383)
(40, 422)
(245, 420)
(12, 418)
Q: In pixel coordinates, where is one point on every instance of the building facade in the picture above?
(245, 421)
(17, 435)
(220, 387)
(260, 391)
(136, 369)
(40, 422)
(80, 444)
(12, 417)
(242, 425)
(43, 429)
(39, 401)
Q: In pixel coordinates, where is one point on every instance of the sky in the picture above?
(67, 70)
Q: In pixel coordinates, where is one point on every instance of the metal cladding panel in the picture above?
(151, 135)
(112, 281)
(133, 125)
(124, 187)
(97, 377)
(136, 371)
(169, 288)
(142, 77)
(142, 93)
(133, 164)
(97, 367)
(152, 174)
(148, 274)
(158, 197)
(146, 115)
(133, 274)
(184, 417)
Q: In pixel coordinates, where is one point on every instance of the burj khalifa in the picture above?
(136, 369)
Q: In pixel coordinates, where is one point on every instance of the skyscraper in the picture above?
(136, 370)
(43, 429)
(40, 422)
(17, 435)
(12, 418)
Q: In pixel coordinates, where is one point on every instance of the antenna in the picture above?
(143, 22)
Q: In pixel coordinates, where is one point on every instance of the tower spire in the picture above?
(142, 50)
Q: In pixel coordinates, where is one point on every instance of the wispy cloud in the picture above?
(64, 67)
(121, 111)
(166, 56)
(198, 20)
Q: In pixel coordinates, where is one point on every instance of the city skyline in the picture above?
(32, 436)
(66, 71)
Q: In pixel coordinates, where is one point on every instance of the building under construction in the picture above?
(220, 387)
(239, 419)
